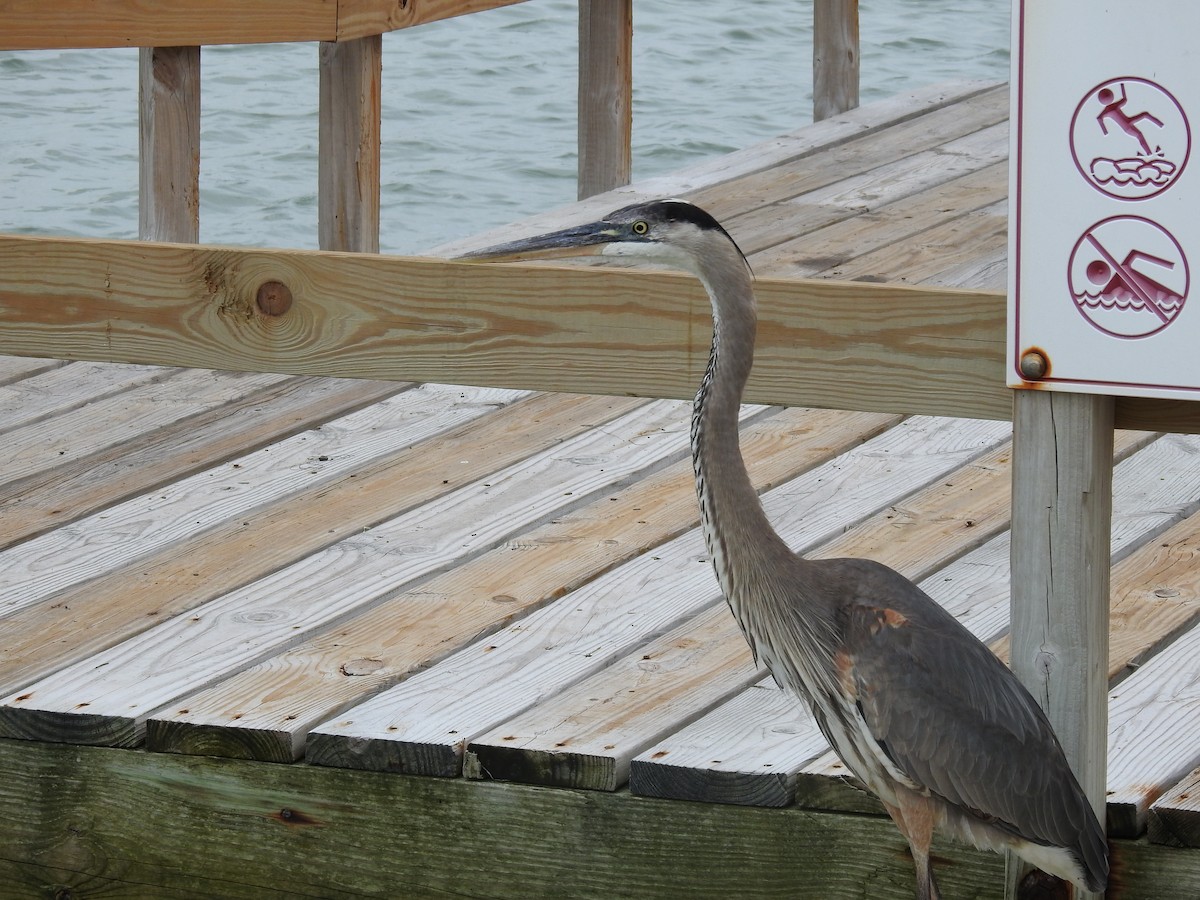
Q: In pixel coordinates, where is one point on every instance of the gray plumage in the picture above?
(916, 707)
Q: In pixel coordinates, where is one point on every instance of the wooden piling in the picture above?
(169, 144)
(605, 95)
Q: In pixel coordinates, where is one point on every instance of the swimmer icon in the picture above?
(1128, 277)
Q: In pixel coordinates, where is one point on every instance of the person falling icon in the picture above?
(1114, 111)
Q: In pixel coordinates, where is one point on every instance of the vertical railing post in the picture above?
(1061, 540)
(835, 57)
(605, 95)
(169, 144)
(351, 74)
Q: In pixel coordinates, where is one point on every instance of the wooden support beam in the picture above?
(169, 144)
(835, 57)
(359, 18)
(605, 95)
(53, 24)
(1061, 526)
(875, 347)
(100, 821)
(38, 24)
(348, 164)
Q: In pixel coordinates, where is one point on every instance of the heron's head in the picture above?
(673, 232)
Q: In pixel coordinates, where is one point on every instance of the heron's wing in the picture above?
(952, 717)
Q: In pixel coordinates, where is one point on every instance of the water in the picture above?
(478, 113)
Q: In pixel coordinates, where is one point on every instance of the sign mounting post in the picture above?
(1104, 252)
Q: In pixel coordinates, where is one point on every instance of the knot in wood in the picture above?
(274, 298)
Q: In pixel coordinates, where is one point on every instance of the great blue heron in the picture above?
(915, 705)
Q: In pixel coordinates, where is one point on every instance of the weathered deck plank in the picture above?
(266, 710)
(33, 505)
(1174, 817)
(54, 390)
(819, 253)
(128, 600)
(424, 721)
(183, 653)
(585, 736)
(14, 368)
(1151, 746)
(113, 538)
(114, 419)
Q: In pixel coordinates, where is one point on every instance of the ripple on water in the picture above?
(478, 113)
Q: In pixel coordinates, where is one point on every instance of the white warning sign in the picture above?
(1104, 232)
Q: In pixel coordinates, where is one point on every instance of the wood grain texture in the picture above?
(585, 736)
(68, 625)
(1151, 746)
(63, 24)
(746, 751)
(134, 824)
(110, 420)
(14, 368)
(821, 253)
(183, 654)
(894, 349)
(359, 18)
(58, 389)
(273, 410)
(1175, 816)
(422, 723)
(398, 557)
(1061, 551)
(268, 708)
(145, 826)
(179, 513)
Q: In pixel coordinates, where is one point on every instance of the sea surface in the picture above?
(478, 113)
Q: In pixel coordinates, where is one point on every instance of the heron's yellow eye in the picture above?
(640, 227)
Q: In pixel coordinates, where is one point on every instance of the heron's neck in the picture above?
(740, 538)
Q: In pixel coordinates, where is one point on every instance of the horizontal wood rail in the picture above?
(846, 345)
(588, 330)
(74, 24)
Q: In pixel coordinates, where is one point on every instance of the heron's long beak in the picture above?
(582, 240)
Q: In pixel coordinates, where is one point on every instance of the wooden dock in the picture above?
(269, 635)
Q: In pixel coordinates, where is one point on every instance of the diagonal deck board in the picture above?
(266, 710)
(424, 720)
(53, 390)
(68, 492)
(129, 600)
(16, 368)
(915, 534)
(586, 736)
(131, 531)
(465, 625)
